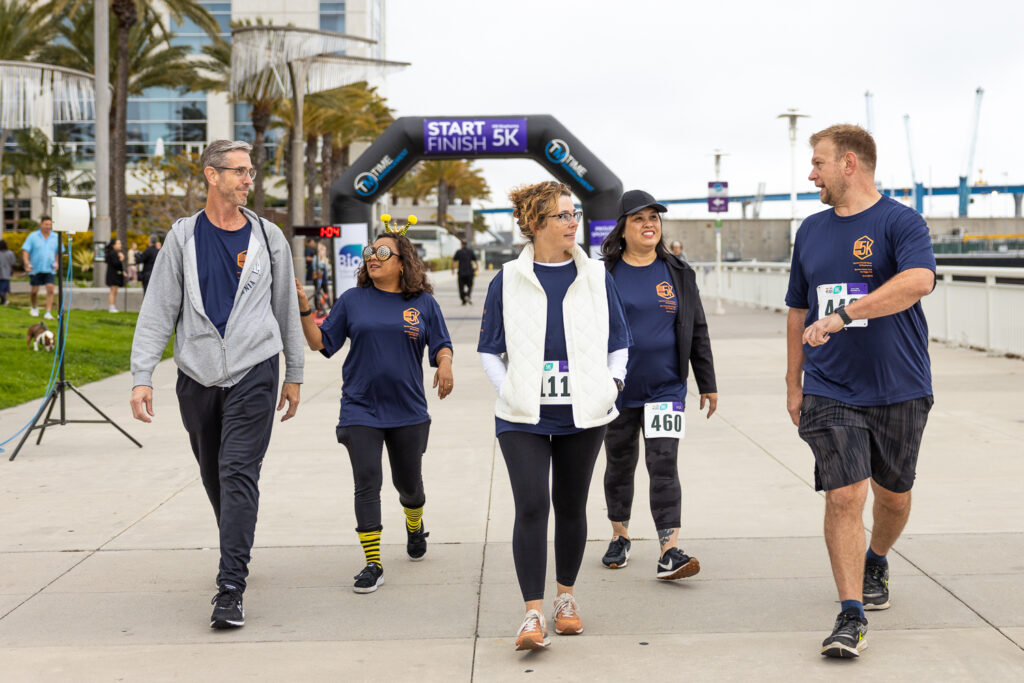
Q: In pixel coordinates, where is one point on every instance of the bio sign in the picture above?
(474, 136)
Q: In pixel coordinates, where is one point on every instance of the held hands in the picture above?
(444, 381)
(818, 333)
(142, 403)
(712, 401)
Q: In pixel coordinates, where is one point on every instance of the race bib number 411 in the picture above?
(554, 385)
(831, 297)
(664, 420)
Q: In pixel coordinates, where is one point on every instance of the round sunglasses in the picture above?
(383, 253)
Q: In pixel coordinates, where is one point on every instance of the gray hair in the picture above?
(216, 153)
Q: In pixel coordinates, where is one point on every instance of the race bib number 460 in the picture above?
(831, 297)
(554, 386)
(664, 420)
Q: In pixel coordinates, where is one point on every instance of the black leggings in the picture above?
(622, 449)
(405, 453)
(570, 459)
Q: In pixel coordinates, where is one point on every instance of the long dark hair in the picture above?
(413, 279)
(615, 243)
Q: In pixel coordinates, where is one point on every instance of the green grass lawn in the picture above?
(98, 345)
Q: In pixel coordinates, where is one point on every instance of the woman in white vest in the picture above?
(554, 342)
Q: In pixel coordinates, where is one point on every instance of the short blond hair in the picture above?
(533, 203)
(849, 138)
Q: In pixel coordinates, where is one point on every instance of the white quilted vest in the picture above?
(585, 316)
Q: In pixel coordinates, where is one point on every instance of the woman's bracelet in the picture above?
(440, 357)
(308, 311)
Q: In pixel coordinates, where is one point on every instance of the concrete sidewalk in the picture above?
(108, 552)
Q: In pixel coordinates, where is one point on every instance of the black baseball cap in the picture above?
(634, 200)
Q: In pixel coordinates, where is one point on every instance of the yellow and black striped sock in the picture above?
(370, 540)
(413, 519)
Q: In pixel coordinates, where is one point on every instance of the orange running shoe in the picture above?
(533, 634)
(567, 616)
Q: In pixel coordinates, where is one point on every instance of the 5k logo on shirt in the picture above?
(411, 316)
(667, 294)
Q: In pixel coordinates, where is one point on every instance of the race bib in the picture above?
(554, 386)
(664, 420)
(831, 297)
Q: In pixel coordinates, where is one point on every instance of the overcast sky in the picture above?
(653, 88)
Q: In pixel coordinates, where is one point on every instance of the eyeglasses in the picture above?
(565, 216)
(383, 253)
(240, 171)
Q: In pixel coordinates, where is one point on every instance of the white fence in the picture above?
(984, 315)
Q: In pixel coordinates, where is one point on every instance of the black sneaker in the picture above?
(849, 636)
(617, 556)
(675, 564)
(368, 579)
(416, 543)
(876, 586)
(227, 608)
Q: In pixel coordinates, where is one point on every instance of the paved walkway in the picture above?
(107, 552)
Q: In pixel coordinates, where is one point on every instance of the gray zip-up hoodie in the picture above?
(263, 322)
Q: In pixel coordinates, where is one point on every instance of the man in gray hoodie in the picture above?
(224, 285)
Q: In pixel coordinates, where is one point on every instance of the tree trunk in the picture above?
(442, 204)
(127, 16)
(286, 160)
(310, 179)
(3, 143)
(326, 176)
(260, 122)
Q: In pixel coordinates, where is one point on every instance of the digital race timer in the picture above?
(324, 231)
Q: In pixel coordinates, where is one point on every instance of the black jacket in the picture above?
(146, 263)
(692, 340)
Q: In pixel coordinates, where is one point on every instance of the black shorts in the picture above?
(853, 443)
(38, 279)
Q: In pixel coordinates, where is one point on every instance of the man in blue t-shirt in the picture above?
(857, 334)
(39, 252)
(224, 285)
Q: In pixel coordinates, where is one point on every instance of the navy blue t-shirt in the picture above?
(220, 257)
(554, 419)
(382, 377)
(651, 303)
(887, 361)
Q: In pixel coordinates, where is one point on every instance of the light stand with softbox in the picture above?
(69, 216)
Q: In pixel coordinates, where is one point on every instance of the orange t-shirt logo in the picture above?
(664, 290)
(862, 247)
(240, 259)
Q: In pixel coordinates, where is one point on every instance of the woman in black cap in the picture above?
(667, 322)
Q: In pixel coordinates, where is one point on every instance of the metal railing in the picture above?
(976, 307)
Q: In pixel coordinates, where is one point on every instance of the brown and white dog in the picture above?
(39, 335)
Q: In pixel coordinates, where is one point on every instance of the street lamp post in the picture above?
(792, 114)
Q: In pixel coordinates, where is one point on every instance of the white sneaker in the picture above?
(113, 309)
(47, 316)
(34, 312)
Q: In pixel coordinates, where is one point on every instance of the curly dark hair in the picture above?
(413, 279)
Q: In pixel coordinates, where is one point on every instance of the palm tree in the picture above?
(133, 15)
(151, 62)
(339, 117)
(25, 28)
(450, 177)
(217, 78)
(37, 156)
